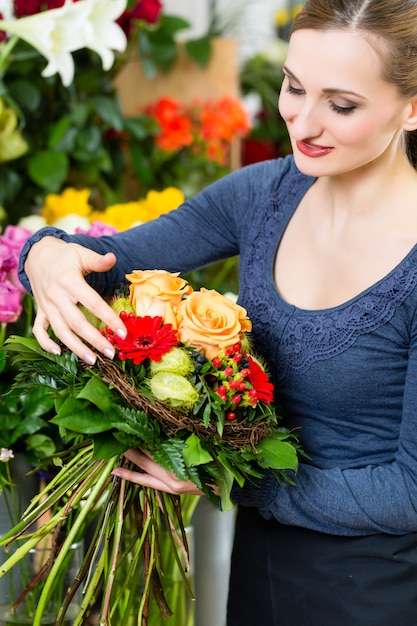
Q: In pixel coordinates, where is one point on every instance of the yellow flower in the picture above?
(211, 322)
(70, 201)
(121, 216)
(126, 214)
(157, 203)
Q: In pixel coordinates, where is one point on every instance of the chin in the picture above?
(311, 166)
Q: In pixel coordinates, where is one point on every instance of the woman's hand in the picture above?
(155, 476)
(56, 271)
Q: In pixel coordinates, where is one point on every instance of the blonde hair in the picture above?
(394, 21)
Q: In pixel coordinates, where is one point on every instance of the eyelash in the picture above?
(335, 107)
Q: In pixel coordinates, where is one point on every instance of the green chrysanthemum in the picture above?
(174, 390)
(122, 304)
(176, 361)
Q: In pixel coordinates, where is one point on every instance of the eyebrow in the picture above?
(331, 90)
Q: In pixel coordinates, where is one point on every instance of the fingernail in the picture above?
(121, 333)
(55, 351)
(108, 352)
(88, 358)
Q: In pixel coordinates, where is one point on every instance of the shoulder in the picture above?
(257, 184)
(266, 175)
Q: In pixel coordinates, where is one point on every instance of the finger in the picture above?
(67, 331)
(58, 291)
(40, 330)
(146, 480)
(171, 483)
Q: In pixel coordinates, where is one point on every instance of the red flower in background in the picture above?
(30, 7)
(146, 10)
(175, 124)
(209, 127)
(147, 338)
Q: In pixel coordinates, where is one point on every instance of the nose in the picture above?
(303, 120)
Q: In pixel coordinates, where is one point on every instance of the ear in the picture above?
(410, 117)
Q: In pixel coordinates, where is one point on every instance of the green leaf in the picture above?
(82, 417)
(194, 453)
(141, 164)
(231, 469)
(79, 112)
(225, 485)
(170, 24)
(98, 393)
(37, 402)
(169, 455)
(40, 445)
(49, 170)
(106, 446)
(27, 426)
(109, 111)
(62, 135)
(199, 50)
(2, 360)
(10, 183)
(277, 454)
(139, 128)
(26, 348)
(26, 94)
(88, 141)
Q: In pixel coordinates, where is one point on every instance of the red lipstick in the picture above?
(312, 150)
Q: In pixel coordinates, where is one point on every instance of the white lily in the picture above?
(100, 32)
(7, 9)
(58, 32)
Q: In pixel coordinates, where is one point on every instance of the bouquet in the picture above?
(186, 387)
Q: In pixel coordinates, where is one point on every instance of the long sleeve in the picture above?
(209, 227)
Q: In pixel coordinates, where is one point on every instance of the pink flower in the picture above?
(10, 302)
(97, 229)
(11, 244)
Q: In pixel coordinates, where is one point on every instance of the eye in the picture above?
(342, 110)
(293, 90)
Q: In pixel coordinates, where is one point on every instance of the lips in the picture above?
(312, 150)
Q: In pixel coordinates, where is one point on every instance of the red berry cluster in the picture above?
(234, 387)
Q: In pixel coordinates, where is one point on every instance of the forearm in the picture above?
(343, 502)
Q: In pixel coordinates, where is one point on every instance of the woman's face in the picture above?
(340, 113)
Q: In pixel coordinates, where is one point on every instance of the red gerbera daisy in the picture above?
(147, 338)
(259, 380)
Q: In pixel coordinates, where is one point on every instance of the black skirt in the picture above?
(288, 576)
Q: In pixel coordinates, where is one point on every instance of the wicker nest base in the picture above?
(238, 433)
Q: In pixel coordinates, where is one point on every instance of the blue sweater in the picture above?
(346, 377)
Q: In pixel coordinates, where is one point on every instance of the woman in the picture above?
(328, 273)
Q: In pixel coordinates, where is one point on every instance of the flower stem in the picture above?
(88, 504)
(5, 51)
(115, 554)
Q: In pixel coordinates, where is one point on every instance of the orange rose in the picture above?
(211, 322)
(157, 293)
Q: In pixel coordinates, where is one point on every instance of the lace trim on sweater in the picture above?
(295, 338)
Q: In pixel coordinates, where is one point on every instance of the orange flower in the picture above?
(211, 322)
(224, 119)
(157, 293)
(175, 125)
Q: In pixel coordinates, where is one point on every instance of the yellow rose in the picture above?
(157, 293)
(211, 322)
